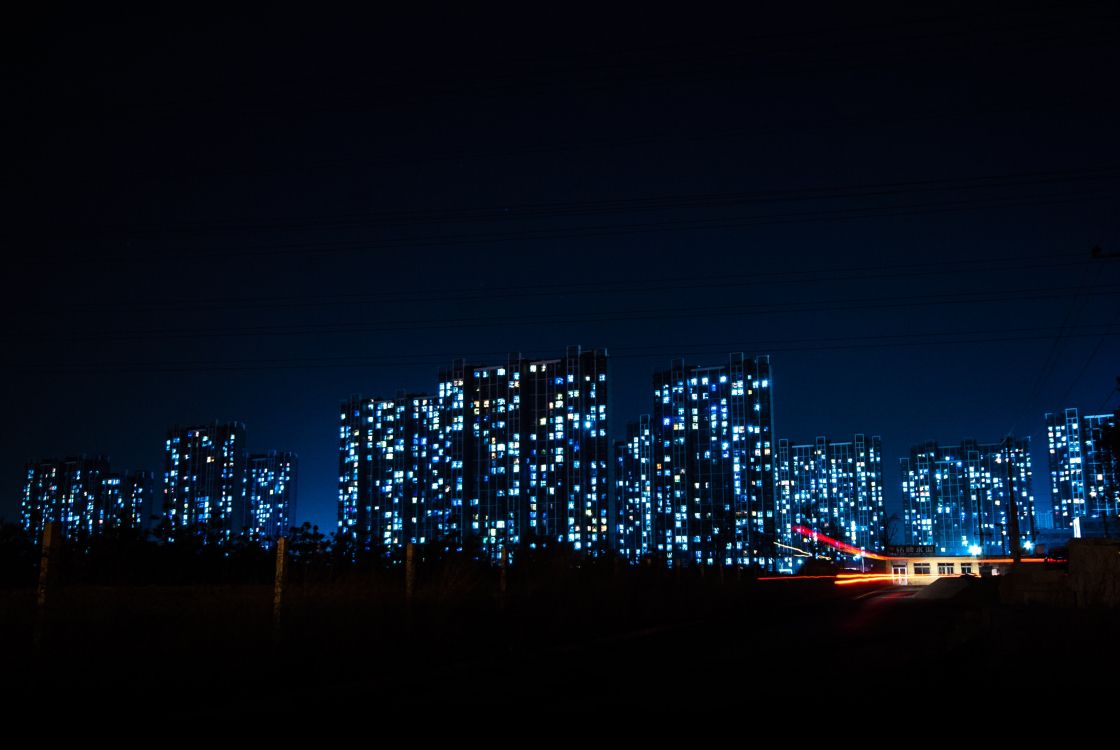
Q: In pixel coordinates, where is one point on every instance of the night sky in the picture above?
(254, 217)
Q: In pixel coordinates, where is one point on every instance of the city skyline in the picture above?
(911, 210)
(585, 353)
(426, 504)
(85, 496)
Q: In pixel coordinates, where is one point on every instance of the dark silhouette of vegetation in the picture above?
(889, 531)
(1110, 436)
(19, 556)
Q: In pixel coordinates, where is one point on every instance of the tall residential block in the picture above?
(956, 499)
(270, 494)
(68, 491)
(836, 489)
(634, 497)
(388, 464)
(203, 481)
(503, 455)
(127, 497)
(707, 496)
(1084, 473)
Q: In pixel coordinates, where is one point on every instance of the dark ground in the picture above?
(626, 635)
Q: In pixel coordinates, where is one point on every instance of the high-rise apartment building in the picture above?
(1084, 475)
(388, 464)
(566, 453)
(270, 494)
(68, 491)
(957, 500)
(708, 494)
(634, 496)
(354, 470)
(836, 489)
(451, 471)
(503, 455)
(127, 497)
(84, 496)
(203, 481)
(494, 503)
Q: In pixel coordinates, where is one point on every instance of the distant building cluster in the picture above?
(500, 456)
(84, 495)
(514, 455)
(517, 455)
(211, 487)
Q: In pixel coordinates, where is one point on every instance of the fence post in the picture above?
(409, 571)
(278, 587)
(48, 564)
(503, 575)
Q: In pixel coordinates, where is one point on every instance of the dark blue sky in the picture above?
(253, 218)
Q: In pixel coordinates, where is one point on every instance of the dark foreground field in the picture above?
(615, 635)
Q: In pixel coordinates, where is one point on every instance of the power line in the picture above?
(679, 283)
(303, 167)
(1026, 31)
(610, 206)
(760, 346)
(1053, 355)
(598, 317)
(312, 249)
(1111, 393)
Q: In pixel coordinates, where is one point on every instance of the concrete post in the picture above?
(409, 571)
(278, 587)
(48, 572)
(48, 562)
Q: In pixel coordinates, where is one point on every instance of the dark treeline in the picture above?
(189, 615)
(128, 556)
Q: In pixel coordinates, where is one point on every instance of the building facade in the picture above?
(706, 495)
(83, 495)
(957, 498)
(68, 491)
(1084, 478)
(270, 495)
(203, 481)
(634, 497)
(494, 500)
(390, 471)
(567, 451)
(127, 497)
(835, 488)
(502, 456)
